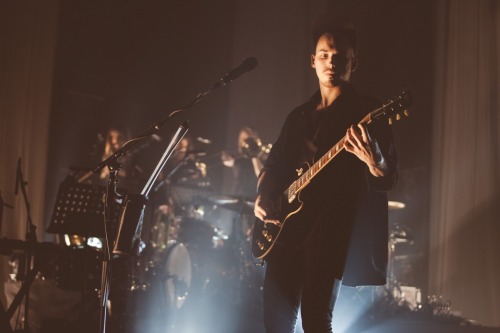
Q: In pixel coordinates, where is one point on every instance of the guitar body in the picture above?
(264, 235)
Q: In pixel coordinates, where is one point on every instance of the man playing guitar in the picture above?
(338, 235)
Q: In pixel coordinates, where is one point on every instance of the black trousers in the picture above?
(299, 279)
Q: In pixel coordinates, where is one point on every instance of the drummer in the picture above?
(245, 164)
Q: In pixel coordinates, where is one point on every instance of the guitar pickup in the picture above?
(267, 235)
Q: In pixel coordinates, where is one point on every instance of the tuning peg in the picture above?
(398, 116)
(390, 120)
(406, 113)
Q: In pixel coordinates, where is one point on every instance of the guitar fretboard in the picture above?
(309, 174)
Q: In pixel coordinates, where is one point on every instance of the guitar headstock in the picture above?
(394, 108)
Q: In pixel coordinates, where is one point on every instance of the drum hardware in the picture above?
(400, 234)
(399, 294)
(245, 270)
(408, 296)
(43, 252)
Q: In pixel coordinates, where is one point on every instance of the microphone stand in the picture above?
(171, 173)
(30, 272)
(112, 198)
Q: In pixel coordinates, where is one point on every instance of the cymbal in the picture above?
(395, 205)
(235, 203)
(240, 207)
(222, 199)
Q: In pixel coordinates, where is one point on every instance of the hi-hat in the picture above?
(394, 205)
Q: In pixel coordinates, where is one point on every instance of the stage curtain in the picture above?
(27, 47)
(465, 190)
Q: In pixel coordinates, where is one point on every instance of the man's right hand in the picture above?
(265, 210)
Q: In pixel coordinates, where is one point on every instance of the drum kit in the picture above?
(190, 258)
(186, 259)
(183, 258)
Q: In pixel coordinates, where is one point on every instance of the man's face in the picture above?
(334, 59)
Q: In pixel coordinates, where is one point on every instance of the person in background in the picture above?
(246, 163)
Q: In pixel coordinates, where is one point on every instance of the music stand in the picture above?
(79, 210)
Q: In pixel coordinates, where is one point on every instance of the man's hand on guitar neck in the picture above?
(358, 142)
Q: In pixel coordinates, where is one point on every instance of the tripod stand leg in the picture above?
(22, 292)
(4, 322)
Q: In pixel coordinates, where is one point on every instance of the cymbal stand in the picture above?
(112, 202)
(393, 285)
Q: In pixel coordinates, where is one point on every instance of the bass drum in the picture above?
(176, 275)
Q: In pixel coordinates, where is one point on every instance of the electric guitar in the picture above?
(265, 234)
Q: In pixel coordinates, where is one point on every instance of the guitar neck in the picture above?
(304, 179)
(386, 111)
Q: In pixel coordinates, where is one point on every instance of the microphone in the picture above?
(246, 66)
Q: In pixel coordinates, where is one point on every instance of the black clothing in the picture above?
(344, 195)
(245, 180)
(341, 231)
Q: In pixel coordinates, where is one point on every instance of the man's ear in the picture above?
(354, 64)
(312, 61)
